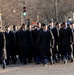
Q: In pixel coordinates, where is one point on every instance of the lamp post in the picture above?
(56, 10)
(0, 19)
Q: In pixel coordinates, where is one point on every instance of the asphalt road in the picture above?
(33, 69)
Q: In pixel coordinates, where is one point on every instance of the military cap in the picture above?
(42, 24)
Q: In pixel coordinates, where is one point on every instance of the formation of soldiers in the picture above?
(39, 44)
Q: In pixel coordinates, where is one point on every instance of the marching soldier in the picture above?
(9, 36)
(31, 51)
(70, 54)
(55, 32)
(24, 43)
(65, 35)
(16, 42)
(35, 38)
(44, 43)
(2, 48)
(1, 44)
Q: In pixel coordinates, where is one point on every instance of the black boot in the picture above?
(4, 64)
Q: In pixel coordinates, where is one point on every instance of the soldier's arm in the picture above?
(52, 39)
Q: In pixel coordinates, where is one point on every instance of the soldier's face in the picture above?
(72, 25)
(63, 25)
(15, 28)
(44, 27)
(7, 28)
(23, 27)
(58, 26)
(38, 25)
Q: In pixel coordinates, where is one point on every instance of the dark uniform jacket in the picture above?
(65, 36)
(56, 35)
(1, 41)
(1, 44)
(44, 41)
(16, 42)
(9, 41)
(24, 41)
(35, 39)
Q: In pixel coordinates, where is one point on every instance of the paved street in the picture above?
(33, 69)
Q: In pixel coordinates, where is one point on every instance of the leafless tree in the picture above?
(44, 8)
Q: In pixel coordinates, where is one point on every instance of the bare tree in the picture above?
(45, 9)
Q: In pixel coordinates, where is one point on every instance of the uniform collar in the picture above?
(38, 29)
(8, 31)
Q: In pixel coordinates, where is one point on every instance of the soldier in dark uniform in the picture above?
(32, 51)
(55, 32)
(35, 39)
(24, 43)
(70, 56)
(9, 44)
(16, 42)
(31, 45)
(18, 46)
(44, 43)
(2, 43)
(65, 35)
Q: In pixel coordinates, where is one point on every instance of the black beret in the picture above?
(23, 24)
(68, 24)
(6, 26)
(63, 23)
(14, 26)
(42, 24)
(56, 24)
(37, 22)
